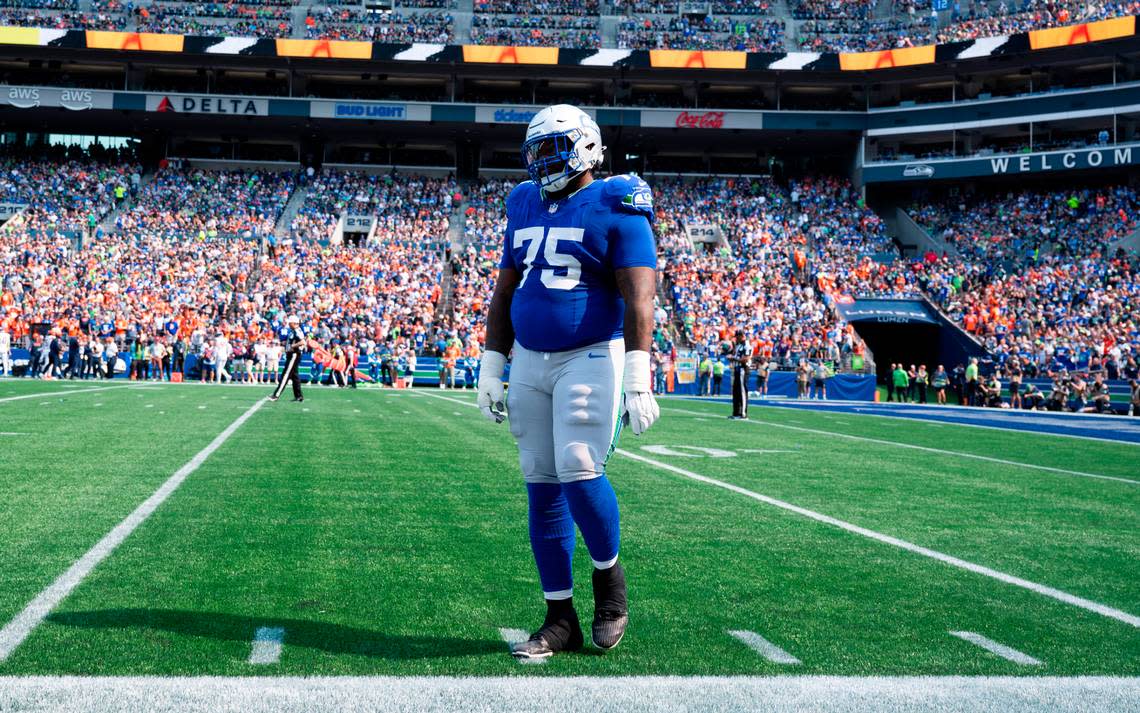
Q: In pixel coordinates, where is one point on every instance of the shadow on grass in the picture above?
(320, 636)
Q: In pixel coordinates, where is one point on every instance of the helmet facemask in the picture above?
(553, 160)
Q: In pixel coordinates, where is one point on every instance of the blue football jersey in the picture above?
(566, 252)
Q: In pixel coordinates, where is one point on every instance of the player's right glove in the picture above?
(640, 409)
(490, 392)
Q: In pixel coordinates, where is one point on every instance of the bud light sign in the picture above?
(369, 111)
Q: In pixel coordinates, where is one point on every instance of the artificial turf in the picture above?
(386, 533)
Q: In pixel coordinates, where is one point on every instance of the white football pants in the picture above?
(564, 409)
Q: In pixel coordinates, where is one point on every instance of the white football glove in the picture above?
(490, 391)
(640, 409)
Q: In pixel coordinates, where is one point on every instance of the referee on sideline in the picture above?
(742, 362)
(295, 343)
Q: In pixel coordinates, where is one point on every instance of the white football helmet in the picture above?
(562, 142)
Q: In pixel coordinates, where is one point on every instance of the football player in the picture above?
(574, 299)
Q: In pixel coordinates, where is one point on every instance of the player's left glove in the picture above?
(490, 392)
(639, 409)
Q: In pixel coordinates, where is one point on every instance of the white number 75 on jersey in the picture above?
(550, 255)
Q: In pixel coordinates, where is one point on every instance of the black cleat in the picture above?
(299, 399)
(272, 398)
(560, 632)
(611, 607)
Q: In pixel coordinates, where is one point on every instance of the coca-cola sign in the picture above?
(706, 120)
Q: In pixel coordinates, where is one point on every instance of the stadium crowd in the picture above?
(742, 25)
(1031, 274)
(345, 23)
(183, 274)
(711, 33)
(756, 279)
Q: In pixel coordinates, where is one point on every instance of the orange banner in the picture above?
(495, 54)
(140, 41)
(335, 49)
(697, 59)
(1080, 34)
(902, 57)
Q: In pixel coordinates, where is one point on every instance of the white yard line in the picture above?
(764, 647)
(1057, 594)
(597, 694)
(927, 449)
(1007, 653)
(266, 647)
(17, 630)
(61, 392)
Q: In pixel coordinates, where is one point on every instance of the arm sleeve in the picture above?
(631, 242)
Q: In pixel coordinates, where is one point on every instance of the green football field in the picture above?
(157, 531)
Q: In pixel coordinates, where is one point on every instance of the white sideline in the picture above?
(17, 630)
(597, 694)
(1007, 653)
(266, 648)
(61, 392)
(1086, 604)
(764, 647)
(974, 456)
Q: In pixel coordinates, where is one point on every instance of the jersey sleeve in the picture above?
(631, 242)
(630, 194)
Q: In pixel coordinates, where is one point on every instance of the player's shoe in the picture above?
(611, 607)
(560, 632)
(272, 398)
(299, 399)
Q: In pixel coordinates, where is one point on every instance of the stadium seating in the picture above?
(1036, 274)
(547, 23)
(757, 281)
(184, 203)
(744, 25)
(717, 33)
(183, 251)
(64, 195)
(1031, 273)
(344, 23)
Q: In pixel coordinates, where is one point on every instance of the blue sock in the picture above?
(551, 538)
(595, 509)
